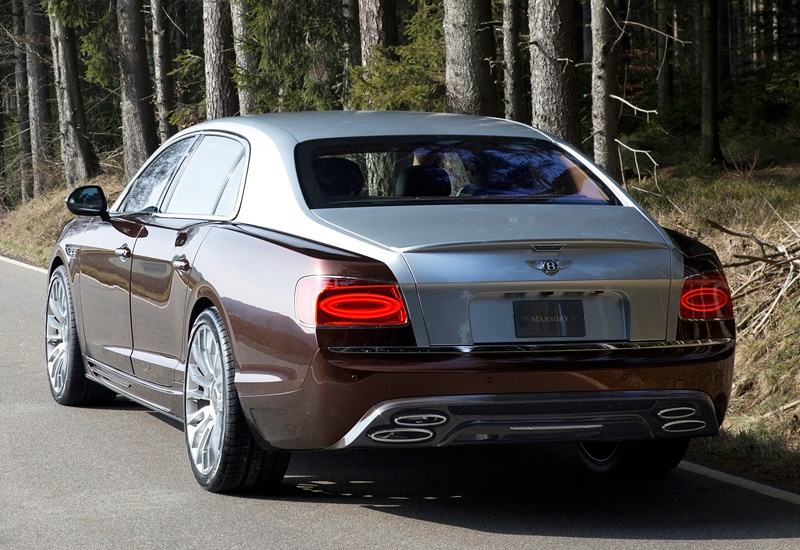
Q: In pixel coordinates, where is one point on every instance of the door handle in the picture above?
(123, 252)
(181, 264)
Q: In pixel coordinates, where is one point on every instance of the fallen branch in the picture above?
(783, 408)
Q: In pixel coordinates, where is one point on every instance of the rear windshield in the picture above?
(392, 171)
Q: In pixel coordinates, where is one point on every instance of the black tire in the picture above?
(66, 372)
(633, 458)
(223, 454)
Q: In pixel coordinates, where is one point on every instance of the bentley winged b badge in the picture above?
(549, 267)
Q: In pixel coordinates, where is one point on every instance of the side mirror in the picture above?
(88, 201)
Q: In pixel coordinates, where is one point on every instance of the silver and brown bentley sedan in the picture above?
(337, 280)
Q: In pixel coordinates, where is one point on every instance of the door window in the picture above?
(203, 185)
(145, 193)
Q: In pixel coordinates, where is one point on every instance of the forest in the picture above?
(91, 86)
(694, 106)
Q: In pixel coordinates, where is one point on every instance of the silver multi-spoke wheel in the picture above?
(65, 370)
(222, 451)
(58, 334)
(205, 399)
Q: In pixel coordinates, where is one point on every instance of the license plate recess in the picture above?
(549, 319)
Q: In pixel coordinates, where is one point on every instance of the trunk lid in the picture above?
(516, 274)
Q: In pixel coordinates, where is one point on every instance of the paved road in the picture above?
(118, 477)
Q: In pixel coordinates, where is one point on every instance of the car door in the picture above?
(105, 261)
(103, 280)
(203, 193)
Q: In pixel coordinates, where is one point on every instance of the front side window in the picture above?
(146, 191)
(212, 173)
(392, 171)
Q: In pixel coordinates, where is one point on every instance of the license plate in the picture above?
(549, 318)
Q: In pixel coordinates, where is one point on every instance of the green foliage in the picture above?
(302, 49)
(410, 76)
(72, 13)
(98, 51)
(189, 70)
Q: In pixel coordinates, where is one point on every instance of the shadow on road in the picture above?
(539, 490)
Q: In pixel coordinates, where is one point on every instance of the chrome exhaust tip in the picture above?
(420, 419)
(400, 435)
(683, 426)
(677, 413)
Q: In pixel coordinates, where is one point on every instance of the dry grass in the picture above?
(28, 233)
(761, 438)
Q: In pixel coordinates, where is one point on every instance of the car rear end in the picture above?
(529, 299)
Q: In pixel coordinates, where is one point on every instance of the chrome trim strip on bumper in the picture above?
(574, 416)
(538, 348)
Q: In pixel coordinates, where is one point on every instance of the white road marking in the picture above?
(760, 488)
(20, 264)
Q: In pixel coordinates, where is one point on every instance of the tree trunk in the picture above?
(38, 51)
(181, 44)
(139, 136)
(77, 154)
(586, 30)
(23, 126)
(604, 107)
(697, 43)
(245, 61)
(512, 75)
(663, 46)
(378, 23)
(710, 121)
(2, 135)
(162, 66)
(553, 79)
(724, 40)
(221, 101)
(469, 45)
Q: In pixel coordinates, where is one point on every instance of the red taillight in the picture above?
(706, 296)
(344, 301)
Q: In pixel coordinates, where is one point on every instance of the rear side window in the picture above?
(213, 173)
(444, 169)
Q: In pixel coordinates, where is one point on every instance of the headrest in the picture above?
(423, 181)
(338, 177)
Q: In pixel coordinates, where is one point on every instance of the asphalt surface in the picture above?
(118, 477)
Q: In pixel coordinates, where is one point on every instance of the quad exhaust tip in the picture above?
(409, 428)
(683, 426)
(401, 435)
(420, 420)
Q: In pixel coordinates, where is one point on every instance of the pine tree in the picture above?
(553, 78)
(469, 45)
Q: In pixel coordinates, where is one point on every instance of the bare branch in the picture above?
(647, 112)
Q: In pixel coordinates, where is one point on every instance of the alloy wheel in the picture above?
(205, 399)
(57, 335)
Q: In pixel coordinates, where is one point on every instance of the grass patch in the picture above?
(28, 233)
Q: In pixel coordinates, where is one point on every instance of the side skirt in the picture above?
(160, 399)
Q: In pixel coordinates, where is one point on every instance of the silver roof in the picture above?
(303, 126)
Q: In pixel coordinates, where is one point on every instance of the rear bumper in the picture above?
(591, 416)
(354, 397)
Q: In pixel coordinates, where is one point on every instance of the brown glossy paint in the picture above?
(103, 283)
(159, 292)
(254, 287)
(335, 397)
(296, 393)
